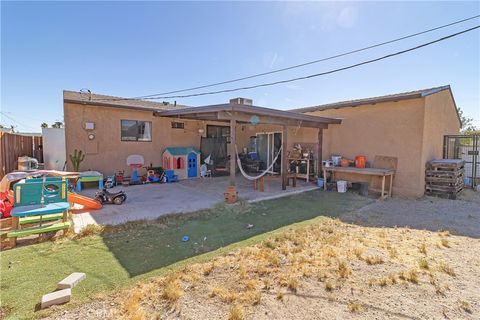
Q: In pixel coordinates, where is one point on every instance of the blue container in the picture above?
(320, 182)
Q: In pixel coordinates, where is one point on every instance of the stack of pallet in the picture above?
(444, 178)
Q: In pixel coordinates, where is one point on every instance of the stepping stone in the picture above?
(57, 297)
(72, 280)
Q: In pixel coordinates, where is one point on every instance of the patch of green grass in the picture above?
(121, 256)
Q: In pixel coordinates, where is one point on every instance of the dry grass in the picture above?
(90, 230)
(223, 294)
(445, 268)
(465, 306)
(412, 276)
(172, 291)
(423, 264)
(445, 243)
(329, 286)
(343, 270)
(373, 260)
(355, 307)
(423, 248)
(237, 312)
(326, 253)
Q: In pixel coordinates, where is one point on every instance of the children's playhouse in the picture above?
(184, 161)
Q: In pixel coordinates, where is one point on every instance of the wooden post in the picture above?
(319, 153)
(284, 158)
(233, 141)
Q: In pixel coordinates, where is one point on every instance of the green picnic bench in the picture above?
(40, 206)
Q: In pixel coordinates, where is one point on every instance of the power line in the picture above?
(319, 74)
(12, 119)
(302, 64)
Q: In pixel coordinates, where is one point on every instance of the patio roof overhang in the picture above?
(249, 114)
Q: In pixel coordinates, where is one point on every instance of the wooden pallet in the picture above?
(444, 178)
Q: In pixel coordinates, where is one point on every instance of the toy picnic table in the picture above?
(89, 176)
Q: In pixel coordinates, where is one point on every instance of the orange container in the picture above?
(344, 163)
(360, 161)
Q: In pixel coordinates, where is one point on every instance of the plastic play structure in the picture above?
(40, 203)
(86, 202)
(135, 161)
(184, 161)
(7, 194)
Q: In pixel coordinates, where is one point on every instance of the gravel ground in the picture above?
(460, 217)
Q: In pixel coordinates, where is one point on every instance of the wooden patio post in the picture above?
(284, 157)
(233, 142)
(319, 152)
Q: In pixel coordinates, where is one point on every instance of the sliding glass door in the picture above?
(268, 145)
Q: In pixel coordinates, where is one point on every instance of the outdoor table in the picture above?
(89, 178)
(365, 171)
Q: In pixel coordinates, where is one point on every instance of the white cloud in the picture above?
(347, 18)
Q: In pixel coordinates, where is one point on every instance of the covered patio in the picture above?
(239, 113)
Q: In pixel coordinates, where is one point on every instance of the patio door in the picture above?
(268, 146)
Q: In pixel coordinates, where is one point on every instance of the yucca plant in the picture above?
(76, 158)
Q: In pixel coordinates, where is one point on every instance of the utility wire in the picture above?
(12, 119)
(318, 74)
(302, 64)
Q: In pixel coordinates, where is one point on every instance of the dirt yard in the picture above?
(326, 270)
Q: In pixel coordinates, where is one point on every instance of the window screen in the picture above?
(135, 130)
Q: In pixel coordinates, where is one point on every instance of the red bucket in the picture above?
(360, 161)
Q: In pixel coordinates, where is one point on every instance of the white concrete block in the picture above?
(57, 297)
(72, 280)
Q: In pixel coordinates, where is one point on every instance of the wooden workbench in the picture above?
(365, 171)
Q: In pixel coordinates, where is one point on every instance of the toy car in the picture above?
(112, 198)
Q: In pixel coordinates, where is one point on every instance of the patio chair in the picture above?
(204, 172)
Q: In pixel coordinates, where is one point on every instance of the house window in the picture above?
(218, 131)
(178, 125)
(135, 130)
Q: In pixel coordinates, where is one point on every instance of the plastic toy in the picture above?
(109, 182)
(184, 161)
(170, 176)
(111, 198)
(135, 161)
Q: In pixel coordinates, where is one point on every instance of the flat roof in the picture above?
(246, 113)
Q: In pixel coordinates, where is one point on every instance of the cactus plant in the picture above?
(76, 159)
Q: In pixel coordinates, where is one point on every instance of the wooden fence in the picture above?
(13, 146)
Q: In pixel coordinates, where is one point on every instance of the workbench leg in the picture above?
(391, 185)
(383, 188)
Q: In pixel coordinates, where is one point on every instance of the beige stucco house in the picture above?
(409, 126)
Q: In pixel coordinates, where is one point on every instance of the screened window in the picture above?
(134, 130)
(178, 125)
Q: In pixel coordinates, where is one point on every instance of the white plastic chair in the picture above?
(204, 172)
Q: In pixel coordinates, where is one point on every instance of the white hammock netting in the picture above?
(260, 175)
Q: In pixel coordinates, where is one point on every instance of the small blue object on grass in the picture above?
(185, 238)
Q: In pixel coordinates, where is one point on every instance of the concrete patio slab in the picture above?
(151, 201)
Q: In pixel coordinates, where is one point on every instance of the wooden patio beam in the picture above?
(233, 142)
(246, 118)
(284, 164)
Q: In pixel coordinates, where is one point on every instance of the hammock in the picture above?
(260, 175)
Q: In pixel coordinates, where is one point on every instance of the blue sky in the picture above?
(137, 48)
